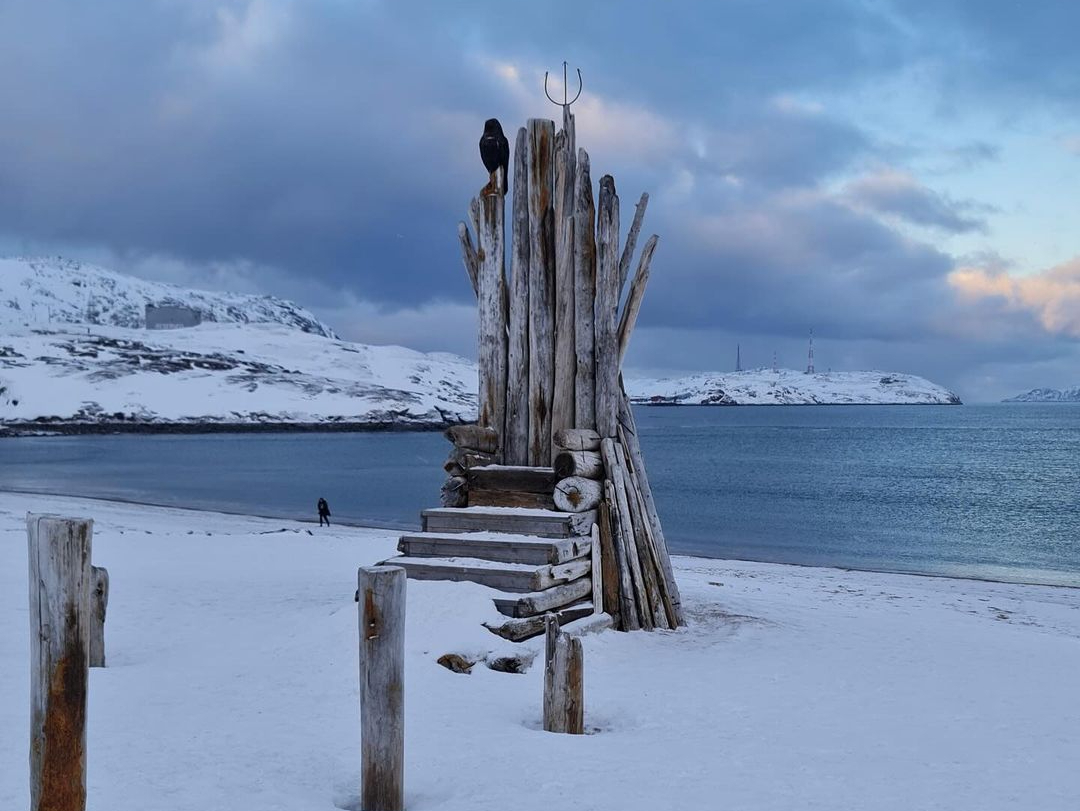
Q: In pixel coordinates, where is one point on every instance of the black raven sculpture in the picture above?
(495, 151)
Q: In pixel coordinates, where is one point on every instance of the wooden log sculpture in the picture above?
(553, 337)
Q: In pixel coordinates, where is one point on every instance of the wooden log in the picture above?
(382, 687)
(518, 630)
(631, 239)
(541, 289)
(454, 492)
(563, 406)
(625, 538)
(584, 294)
(652, 603)
(539, 602)
(587, 464)
(60, 603)
(473, 438)
(563, 681)
(541, 524)
(609, 569)
(597, 572)
(633, 301)
(670, 615)
(632, 444)
(491, 355)
(461, 459)
(628, 612)
(513, 478)
(606, 308)
(468, 257)
(99, 603)
(516, 442)
(480, 497)
(576, 439)
(576, 494)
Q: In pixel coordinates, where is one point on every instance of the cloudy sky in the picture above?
(901, 177)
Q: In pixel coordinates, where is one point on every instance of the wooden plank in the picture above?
(518, 630)
(633, 302)
(475, 438)
(99, 604)
(468, 257)
(541, 288)
(631, 239)
(584, 295)
(606, 308)
(496, 546)
(481, 497)
(461, 460)
(522, 479)
(516, 445)
(563, 681)
(587, 464)
(539, 602)
(576, 439)
(492, 349)
(563, 400)
(60, 585)
(597, 572)
(609, 570)
(543, 523)
(512, 577)
(382, 687)
(577, 494)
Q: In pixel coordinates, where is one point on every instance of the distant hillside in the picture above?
(1047, 396)
(49, 292)
(791, 387)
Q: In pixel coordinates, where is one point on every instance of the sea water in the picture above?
(978, 491)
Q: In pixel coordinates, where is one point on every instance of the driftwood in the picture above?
(628, 613)
(563, 681)
(473, 437)
(468, 257)
(60, 585)
(461, 459)
(516, 444)
(597, 572)
(585, 294)
(631, 239)
(541, 289)
(454, 492)
(588, 464)
(528, 605)
(606, 307)
(575, 494)
(628, 536)
(521, 479)
(492, 325)
(633, 302)
(609, 578)
(518, 630)
(99, 603)
(576, 439)
(480, 497)
(563, 402)
(650, 603)
(382, 687)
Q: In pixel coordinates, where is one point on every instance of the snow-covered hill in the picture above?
(1047, 396)
(790, 387)
(50, 292)
(79, 378)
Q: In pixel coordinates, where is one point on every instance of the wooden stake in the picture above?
(633, 301)
(627, 536)
(59, 556)
(652, 602)
(468, 257)
(563, 681)
(382, 684)
(606, 308)
(492, 349)
(563, 406)
(584, 295)
(99, 603)
(628, 611)
(541, 289)
(597, 572)
(609, 580)
(516, 443)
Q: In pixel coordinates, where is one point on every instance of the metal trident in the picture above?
(565, 103)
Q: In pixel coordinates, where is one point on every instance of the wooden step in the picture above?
(518, 630)
(515, 521)
(539, 602)
(513, 577)
(516, 478)
(495, 546)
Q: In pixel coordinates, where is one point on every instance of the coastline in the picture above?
(13, 430)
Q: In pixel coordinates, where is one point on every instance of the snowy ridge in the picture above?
(790, 387)
(1047, 396)
(87, 378)
(49, 292)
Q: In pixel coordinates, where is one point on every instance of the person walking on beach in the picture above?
(324, 512)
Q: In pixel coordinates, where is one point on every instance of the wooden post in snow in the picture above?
(564, 707)
(516, 442)
(59, 557)
(541, 288)
(381, 592)
(491, 281)
(99, 603)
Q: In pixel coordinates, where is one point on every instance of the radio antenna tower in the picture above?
(810, 355)
(738, 358)
(774, 361)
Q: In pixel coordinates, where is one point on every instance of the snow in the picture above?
(232, 684)
(790, 387)
(1047, 396)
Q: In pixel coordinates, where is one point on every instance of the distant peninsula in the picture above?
(791, 387)
(1047, 396)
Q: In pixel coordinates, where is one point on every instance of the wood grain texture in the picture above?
(633, 301)
(587, 464)
(576, 439)
(606, 308)
(99, 604)
(478, 438)
(563, 406)
(631, 239)
(541, 137)
(492, 349)
(516, 444)
(584, 294)
(468, 257)
(563, 681)
(577, 494)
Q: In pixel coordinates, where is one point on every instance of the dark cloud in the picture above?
(901, 195)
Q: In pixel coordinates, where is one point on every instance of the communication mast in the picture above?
(738, 358)
(810, 356)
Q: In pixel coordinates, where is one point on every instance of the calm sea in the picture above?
(982, 491)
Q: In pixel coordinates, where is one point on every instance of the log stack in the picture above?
(552, 338)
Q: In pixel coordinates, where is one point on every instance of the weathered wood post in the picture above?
(59, 558)
(564, 707)
(491, 293)
(541, 139)
(381, 591)
(99, 603)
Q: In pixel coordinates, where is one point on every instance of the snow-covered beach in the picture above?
(231, 684)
